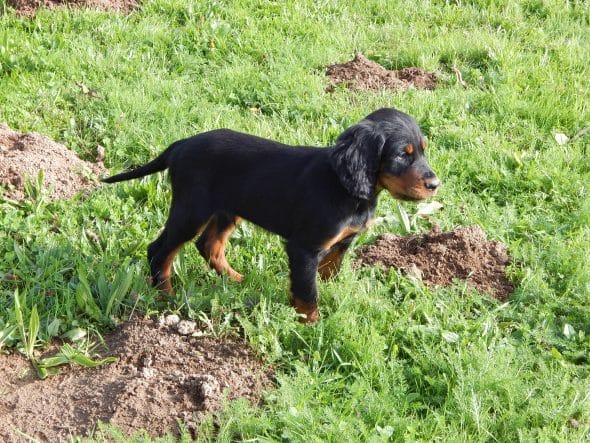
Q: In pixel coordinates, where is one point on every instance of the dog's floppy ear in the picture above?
(356, 158)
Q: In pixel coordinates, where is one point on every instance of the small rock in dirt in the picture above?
(100, 153)
(177, 377)
(414, 271)
(17, 180)
(148, 372)
(208, 386)
(168, 320)
(186, 327)
(147, 361)
(172, 320)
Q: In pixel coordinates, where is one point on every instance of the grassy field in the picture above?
(391, 359)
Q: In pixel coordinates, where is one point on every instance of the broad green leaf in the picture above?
(83, 360)
(33, 331)
(75, 334)
(18, 312)
(53, 327)
(6, 335)
(450, 337)
(84, 298)
(425, 209)
(386, 431)
(56, 360)
(561, 138)
(66, 355)
(403, 215)
(569, 331)
(41, 372)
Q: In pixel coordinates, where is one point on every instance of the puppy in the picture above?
(317, 199)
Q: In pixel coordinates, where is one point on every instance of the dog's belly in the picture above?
(279, 225)
(266, 216)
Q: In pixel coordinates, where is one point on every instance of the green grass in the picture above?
(391, 359)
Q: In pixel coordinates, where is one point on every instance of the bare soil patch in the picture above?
(440, 257)
(161, 376)
(362, 73)
(28, 8)
(22, 156)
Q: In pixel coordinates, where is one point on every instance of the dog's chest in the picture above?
(360, 221)
(363, 217)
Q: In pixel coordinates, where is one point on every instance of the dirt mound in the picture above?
(362, 73)
(161, 376)
(24, 155)
(28, 8)
(439, 257)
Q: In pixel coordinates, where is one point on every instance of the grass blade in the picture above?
(121, 287)
(85, 299)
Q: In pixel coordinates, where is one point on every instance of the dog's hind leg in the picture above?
(184, 223)
(211, 244)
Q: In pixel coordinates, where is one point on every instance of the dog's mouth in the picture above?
(406, 197)
(409, 187)
(412, 197)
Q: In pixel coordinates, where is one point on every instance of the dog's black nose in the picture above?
(432, 183)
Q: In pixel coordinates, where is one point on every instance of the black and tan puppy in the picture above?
(317, 199)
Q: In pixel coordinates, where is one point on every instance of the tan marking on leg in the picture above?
(163, 276)
(330, 264)
(312, 315)
(214, 249)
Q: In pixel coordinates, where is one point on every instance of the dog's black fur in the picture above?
(317, 199)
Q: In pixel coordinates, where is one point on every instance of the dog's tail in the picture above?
(160, 163)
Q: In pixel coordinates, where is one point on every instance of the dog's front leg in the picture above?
(304, 294)
(331, 260)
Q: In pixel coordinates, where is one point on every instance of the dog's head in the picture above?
(384, 151)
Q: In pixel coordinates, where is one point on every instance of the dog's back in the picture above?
(248, 175)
